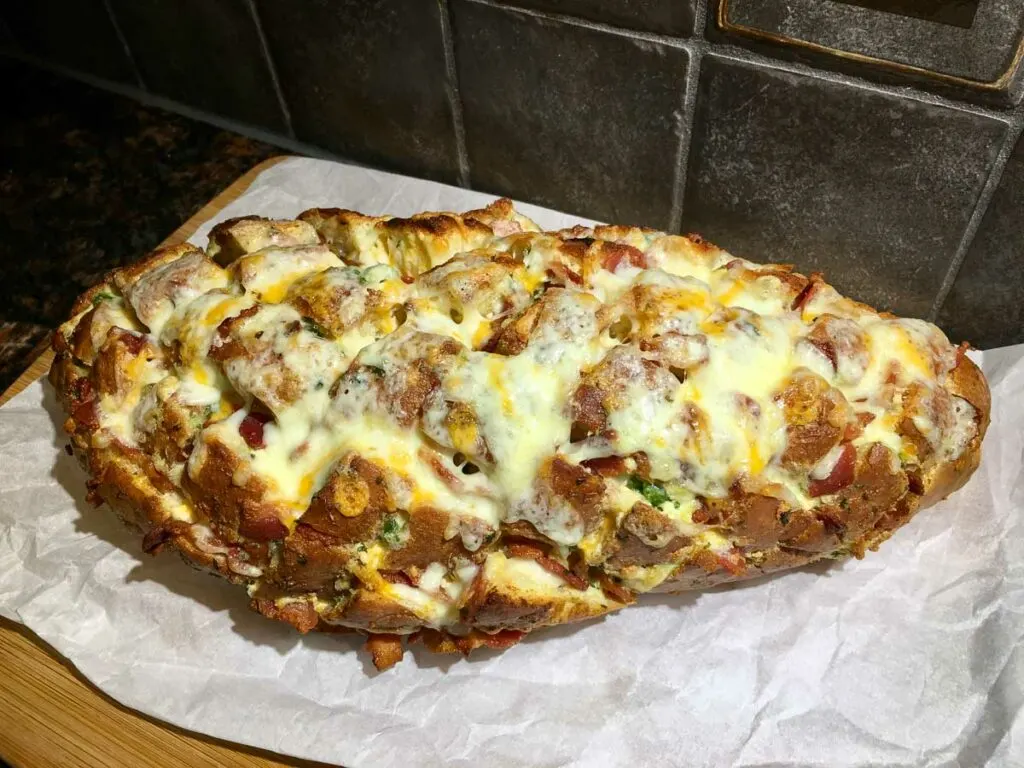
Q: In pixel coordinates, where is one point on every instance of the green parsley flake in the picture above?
(314, 328)
(99, 297)
(653, 492)
(393, 531)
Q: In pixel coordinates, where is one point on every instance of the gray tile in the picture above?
(73, 33)
(366, 79)
(666, 17)
(960, 47)
(873, 189)
(986, 303)
(569, 117)
(204, 53)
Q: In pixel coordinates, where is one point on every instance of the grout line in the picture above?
(981, 207)
(688, 118)
(454, 93)
(575, 21)
(686, 124)
(147, 98)
(282, 103)
(700, 19)
(124, 44)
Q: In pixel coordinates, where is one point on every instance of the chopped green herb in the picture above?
(394, 531)
(376, 369)
(784, 518)
(314, 328)
(100, 297)
(378, 273)
(653, 492)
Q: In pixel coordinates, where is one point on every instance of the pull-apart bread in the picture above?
(456, 428)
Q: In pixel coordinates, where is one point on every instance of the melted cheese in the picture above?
(270, 273)
(521, 404)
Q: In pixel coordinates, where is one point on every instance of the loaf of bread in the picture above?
(455, 429)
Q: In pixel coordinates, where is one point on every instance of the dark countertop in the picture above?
(90, 181)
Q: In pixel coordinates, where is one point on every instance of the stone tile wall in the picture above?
(876, 140)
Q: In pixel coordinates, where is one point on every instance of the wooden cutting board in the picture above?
(49, 714)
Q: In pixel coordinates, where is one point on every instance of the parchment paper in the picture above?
(909, 657)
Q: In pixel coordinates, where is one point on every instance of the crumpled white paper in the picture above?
(910, 657)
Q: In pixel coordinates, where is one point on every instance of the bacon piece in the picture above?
(224, 329)
(155, 539)
(615, 591)
(301, 615)
(525, 549)
(133, 342)
(251, 429)
(841, 475)
(617, 254)
(734, 562)
(556, 568)
(562, 275)
(261, 525)
(398, 577)
(530, 551)
(828, 349)
(386, 650)
(83, 409)
(816, 279)
(441, 642)
(501, 640)
(614, 466)
(440, 469)
(608, 466)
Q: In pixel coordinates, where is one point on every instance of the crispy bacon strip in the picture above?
(398, 577)
(615, 591)
(607, 466)
(562, 275)
(623, 254)
(734, 562)
(442, 642)
(531, 551)
(301, 615)
(159, 535)
(816, 279)
(433, 459)
(841, 475)
(386, 650)
(83, 408)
